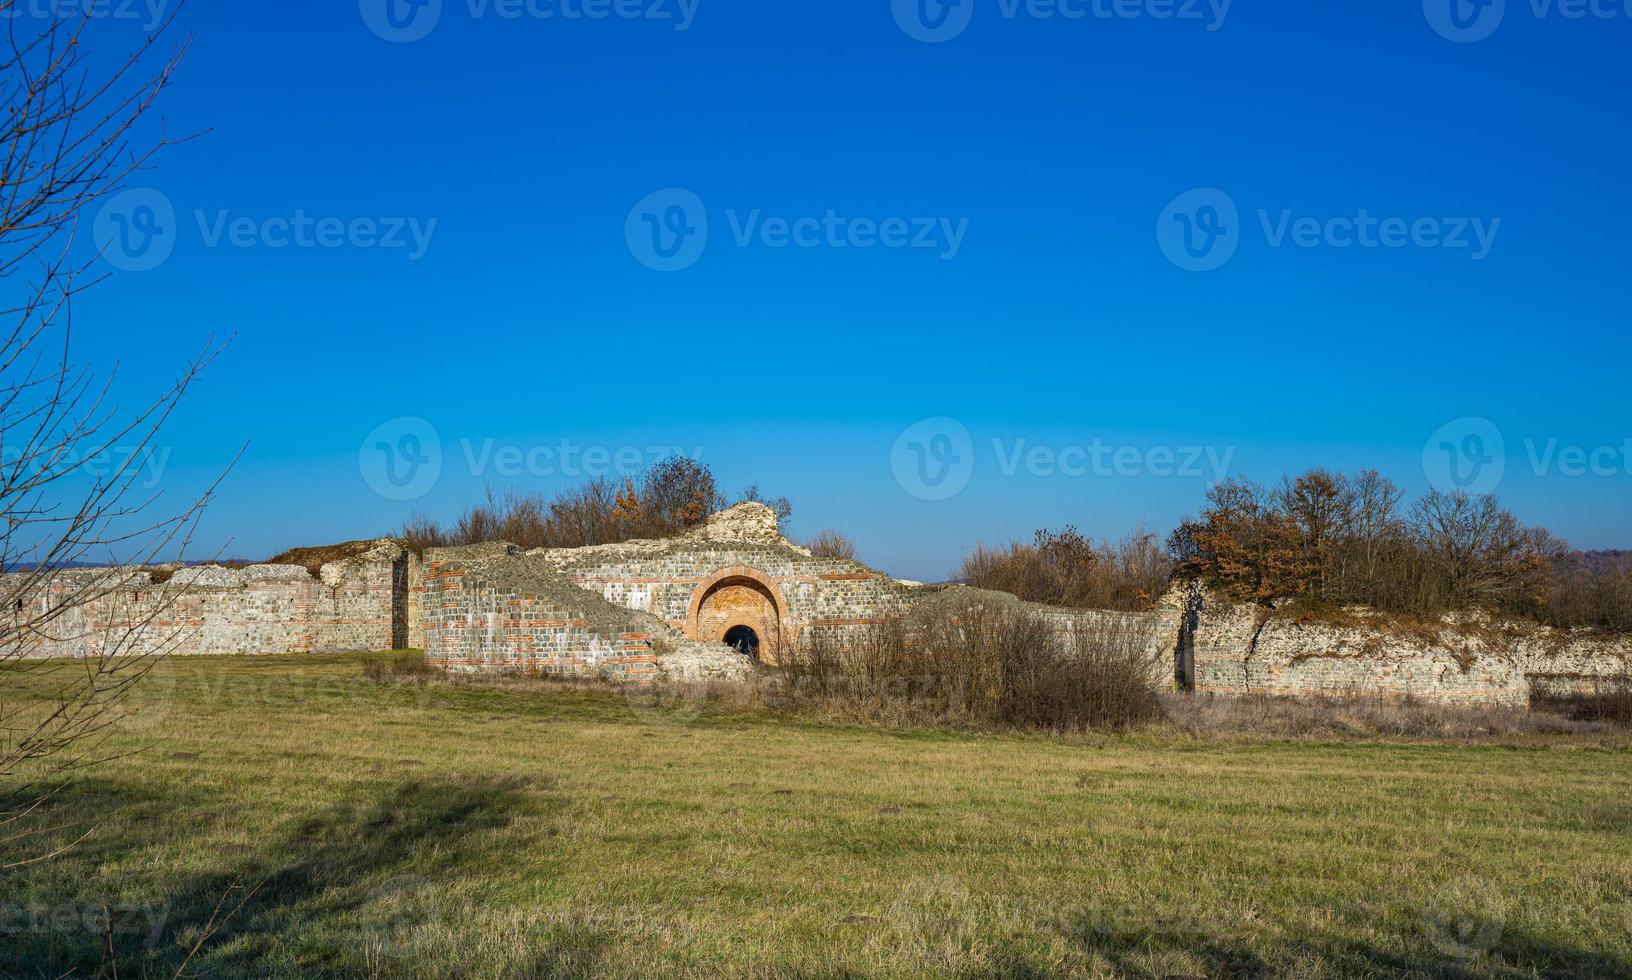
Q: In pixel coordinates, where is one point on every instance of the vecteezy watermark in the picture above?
(1100, 459)
(938, 21)
(301, 230)
(1470, 21)
(150, 12)
(398, 910)
(404, 21)
(668, 231)
(403, 459)
(137, 230)
(1463, 920)
(139, 466)
(935, 459)
(1466, 454)
(1201, 230)
(96, 920)
(1470, 455)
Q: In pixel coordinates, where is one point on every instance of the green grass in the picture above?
(404, 829)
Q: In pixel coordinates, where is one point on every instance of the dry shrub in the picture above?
(671, 497)
(1063, 568)
(406, 665)
(832, 544)
(975, 666)
(1608, 703)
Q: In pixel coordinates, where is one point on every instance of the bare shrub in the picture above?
(1609, 701)
(673, 496)
(1592, 589)
(406, 665)
(831, 544)
(1099, 677)
(1063, 568)
(975, 666)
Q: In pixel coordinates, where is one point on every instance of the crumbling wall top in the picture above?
(746, 523)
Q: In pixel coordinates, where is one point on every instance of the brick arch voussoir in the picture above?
(701, 593)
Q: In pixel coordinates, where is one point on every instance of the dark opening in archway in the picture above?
(744, 640)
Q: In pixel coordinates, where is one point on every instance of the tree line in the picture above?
(665, 500)
(1335, 539)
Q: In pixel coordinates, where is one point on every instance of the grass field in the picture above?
(396, 829)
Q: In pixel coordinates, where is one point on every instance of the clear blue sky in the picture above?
(1054, 144)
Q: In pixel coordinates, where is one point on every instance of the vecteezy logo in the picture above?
(401, 459)
(136, 229)
(667, 230)
(1468, 454)
(401, 21)
(400, 908)
(1199, 230)
(933, 21)
(933, 459)
(1464, 21)
(1464, 918)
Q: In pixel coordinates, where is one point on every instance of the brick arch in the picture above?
(738, 595)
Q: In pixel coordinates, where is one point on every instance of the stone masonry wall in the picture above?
(586, 610)
(488, 607)
(355, 604)
(1248, 650)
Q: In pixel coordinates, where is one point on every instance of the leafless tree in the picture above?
(76, 127)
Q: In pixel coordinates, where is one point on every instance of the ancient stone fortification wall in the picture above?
(488, 607)
(1248, 650)
(661, 608)
(608, 609)
(742, 546)
(356, 604)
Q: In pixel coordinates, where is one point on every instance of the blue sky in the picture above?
(1057, 328)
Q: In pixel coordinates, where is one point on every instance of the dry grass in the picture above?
(1361, 717)
(313, 559)
(430, 830)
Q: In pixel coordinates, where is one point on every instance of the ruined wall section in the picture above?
(663, 578)
(359, 603)
(488, 607)
(663, 581)
(1244, 649)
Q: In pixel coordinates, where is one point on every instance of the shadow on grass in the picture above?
(1147, 954)
(362, 872)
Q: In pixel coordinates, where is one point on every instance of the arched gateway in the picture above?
(741, 607)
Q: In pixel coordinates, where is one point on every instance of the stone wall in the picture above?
(488, 607)
(667, 579)
(359, 603)
(641, 609)
(603, 609)
(1245, 649)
